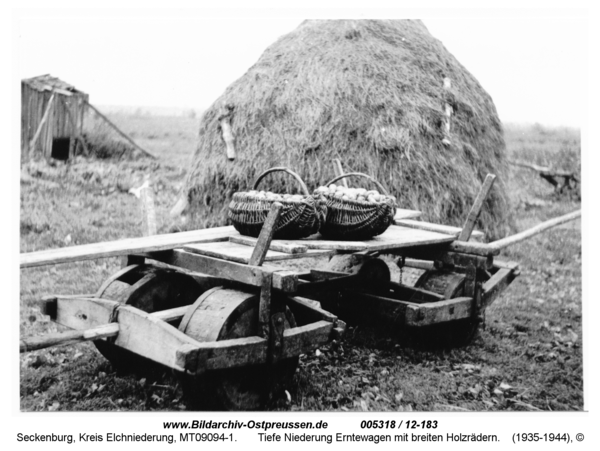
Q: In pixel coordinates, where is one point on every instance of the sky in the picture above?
(532, 63)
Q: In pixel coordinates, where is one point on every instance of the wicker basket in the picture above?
(356, 220)
(297, 219)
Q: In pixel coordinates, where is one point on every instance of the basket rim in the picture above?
(359, 174)
(287, 171)
(361, 203)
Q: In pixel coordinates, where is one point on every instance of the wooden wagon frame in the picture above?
(251, 314)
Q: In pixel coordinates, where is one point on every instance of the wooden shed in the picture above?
(52, 114)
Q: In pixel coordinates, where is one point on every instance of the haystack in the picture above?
(375, 94)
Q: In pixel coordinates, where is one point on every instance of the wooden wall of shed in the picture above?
(58, 123)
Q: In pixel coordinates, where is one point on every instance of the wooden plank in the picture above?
(413, 294)
(261, 249)
(466, 260)
(283, 279)
(287, 247)
(448, 230)
(514, 266)
(171, 315)
(211, 266)
(399, 237)
(124, 247)
(83, 313)
(404, 214)
(468, 247)
(28, 344)
(496, 285)
(316, 242)
(418, 264)
(150, 337)
(242, 254)
(213, 355)
(375, 310)
(310, 289)
(300, 340)
(305, 311)
(438, 312)
(236, 353)
(312, 242)
(241, 352)
(475, 211)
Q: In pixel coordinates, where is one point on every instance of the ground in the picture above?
(528, 356)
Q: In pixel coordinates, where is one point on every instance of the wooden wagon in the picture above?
(232, 314)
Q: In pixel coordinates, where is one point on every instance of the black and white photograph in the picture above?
(272, 211)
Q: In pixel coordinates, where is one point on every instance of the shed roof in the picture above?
(49, 83)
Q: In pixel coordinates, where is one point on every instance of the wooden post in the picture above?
(339, 170)
(148, 211)
(129, 140)
(257, 259)
(266, 235)
(469, 225)
(225, 123)
(179, 207)
(42, 122)
(447, 113)
(146, 196)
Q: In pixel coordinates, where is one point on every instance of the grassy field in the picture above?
(528, 357)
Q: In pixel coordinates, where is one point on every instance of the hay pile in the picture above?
(371, 93)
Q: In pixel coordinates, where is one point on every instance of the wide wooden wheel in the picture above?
(222, 314)
(150, 289)
(453, 333)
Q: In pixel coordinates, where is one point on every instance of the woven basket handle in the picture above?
(359, 174)
(282, 169)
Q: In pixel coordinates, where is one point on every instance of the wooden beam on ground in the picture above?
(120, 132)
(124, 247)
(475, 211)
